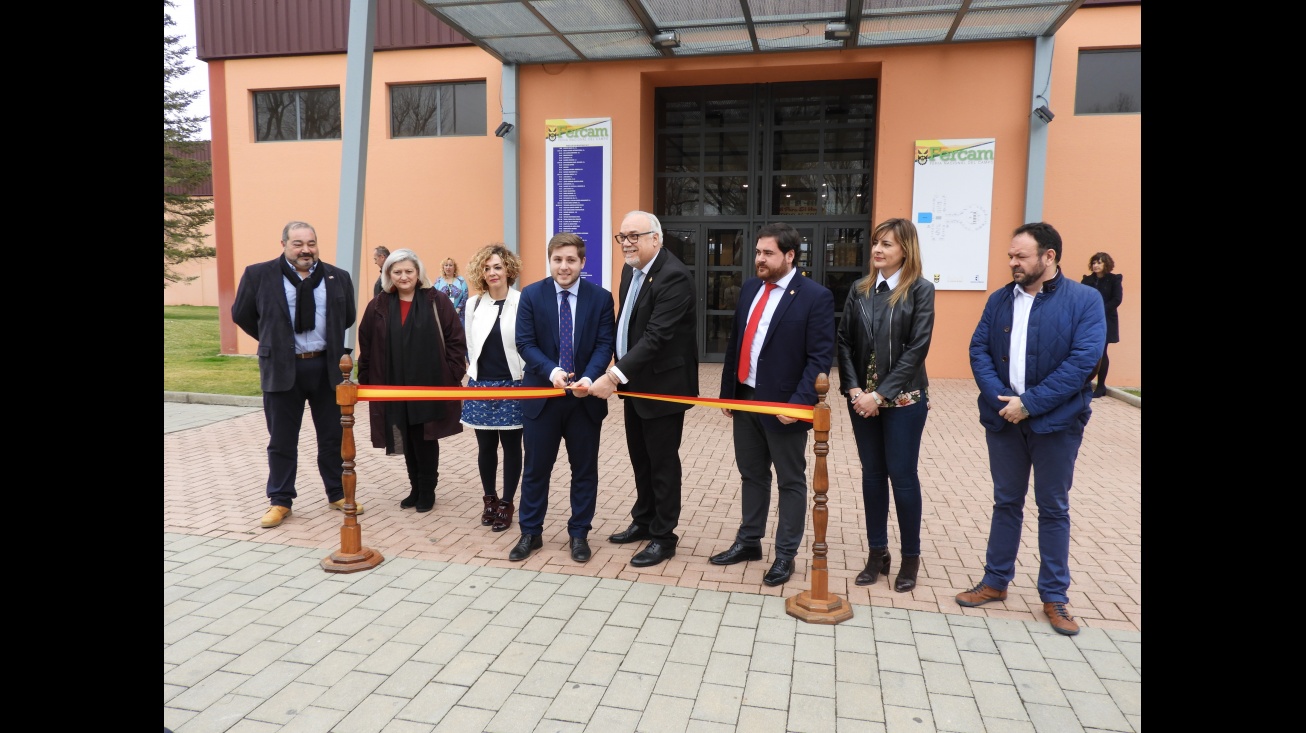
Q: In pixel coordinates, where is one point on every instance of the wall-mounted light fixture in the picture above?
(1045, 114)
(666, 39)
(503, 129)
(838, 31)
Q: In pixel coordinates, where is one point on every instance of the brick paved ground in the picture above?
(214, 477)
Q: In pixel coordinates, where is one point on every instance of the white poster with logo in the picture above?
(578, 190)
(952, 205)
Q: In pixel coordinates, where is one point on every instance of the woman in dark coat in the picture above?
(1111, 287)
(410, 336)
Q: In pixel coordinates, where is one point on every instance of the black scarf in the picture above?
(414, 359)
(304, 318)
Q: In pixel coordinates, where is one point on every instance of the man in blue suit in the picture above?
(783, 337)
(550, 312)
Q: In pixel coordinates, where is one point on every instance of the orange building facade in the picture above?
(443, 196)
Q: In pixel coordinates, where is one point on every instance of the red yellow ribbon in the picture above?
(384, 393)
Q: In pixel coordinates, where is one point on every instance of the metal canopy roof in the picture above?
(558, 31)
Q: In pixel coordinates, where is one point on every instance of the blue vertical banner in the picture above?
(578, 189)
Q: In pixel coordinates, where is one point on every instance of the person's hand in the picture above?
(1014, 411)
(603, 387)
(865, 405)
(786, 420)
(726, 411)
(561, 379)
(580, 388)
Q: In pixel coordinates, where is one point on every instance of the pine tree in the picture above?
(184, 216)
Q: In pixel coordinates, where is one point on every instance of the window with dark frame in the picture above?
(437, 110)
(1109, 82)
(297, 114)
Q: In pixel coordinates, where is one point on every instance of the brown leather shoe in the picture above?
(1061, 619)
(979, 595)
(274, 516)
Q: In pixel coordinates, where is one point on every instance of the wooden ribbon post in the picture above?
(818, 606)
(352, 556)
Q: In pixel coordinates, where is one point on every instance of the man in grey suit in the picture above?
(657, 353)
(298, 308)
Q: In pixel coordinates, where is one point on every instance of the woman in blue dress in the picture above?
(494, 362)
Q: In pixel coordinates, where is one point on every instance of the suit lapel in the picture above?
(787, 296)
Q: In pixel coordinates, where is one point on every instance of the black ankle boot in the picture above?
(426, 500)
(411, 501)
(906, 579)
(878, 563)
(491, 507)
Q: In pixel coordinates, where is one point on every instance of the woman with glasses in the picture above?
(888, 321)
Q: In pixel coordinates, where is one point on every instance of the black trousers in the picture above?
(756, 451)
(284, 414)
(654, 446)
(422, 458)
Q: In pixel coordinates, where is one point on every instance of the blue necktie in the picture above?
(636, 279)
(565, 358)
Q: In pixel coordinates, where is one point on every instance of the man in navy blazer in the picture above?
(783, 337)
(298, 308)
(546, 422)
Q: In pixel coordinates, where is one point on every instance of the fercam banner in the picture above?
(578, 189)
(952, 205)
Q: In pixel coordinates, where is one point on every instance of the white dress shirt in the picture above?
(764, 325)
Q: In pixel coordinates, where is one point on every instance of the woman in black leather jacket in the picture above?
(883, 339)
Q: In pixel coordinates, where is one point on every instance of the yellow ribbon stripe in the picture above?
(392, 394)
(798, 412)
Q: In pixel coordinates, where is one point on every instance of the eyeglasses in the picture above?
(633, 237)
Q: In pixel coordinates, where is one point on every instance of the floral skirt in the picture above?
(493, 414)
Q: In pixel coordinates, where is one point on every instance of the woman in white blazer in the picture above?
(494, 362)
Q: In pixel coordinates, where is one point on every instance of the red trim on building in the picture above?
(222, 216)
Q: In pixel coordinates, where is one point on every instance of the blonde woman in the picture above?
(888, 321)
(455, 286)
(494, 362)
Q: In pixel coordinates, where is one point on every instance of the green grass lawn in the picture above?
(191, 362)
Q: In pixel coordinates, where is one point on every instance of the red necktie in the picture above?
(746, 348)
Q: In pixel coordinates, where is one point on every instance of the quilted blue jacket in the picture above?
(1065, 338)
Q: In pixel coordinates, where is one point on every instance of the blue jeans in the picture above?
(1014, 452)
(889, 446)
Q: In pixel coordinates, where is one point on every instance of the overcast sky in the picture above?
(197, 79)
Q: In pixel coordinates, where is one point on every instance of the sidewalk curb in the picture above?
(200, 398)
(1124, 396)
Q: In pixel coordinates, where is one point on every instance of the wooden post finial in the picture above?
(352, 556)
(818, 605)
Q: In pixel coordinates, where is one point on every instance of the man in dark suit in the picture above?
(783, 337)
(657, 353)
(547, 311)
(298, 308)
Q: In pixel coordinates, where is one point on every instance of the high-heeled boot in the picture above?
(878, 563)
(491, 507)
(906, 579)
(502, 516)
(426, 499)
